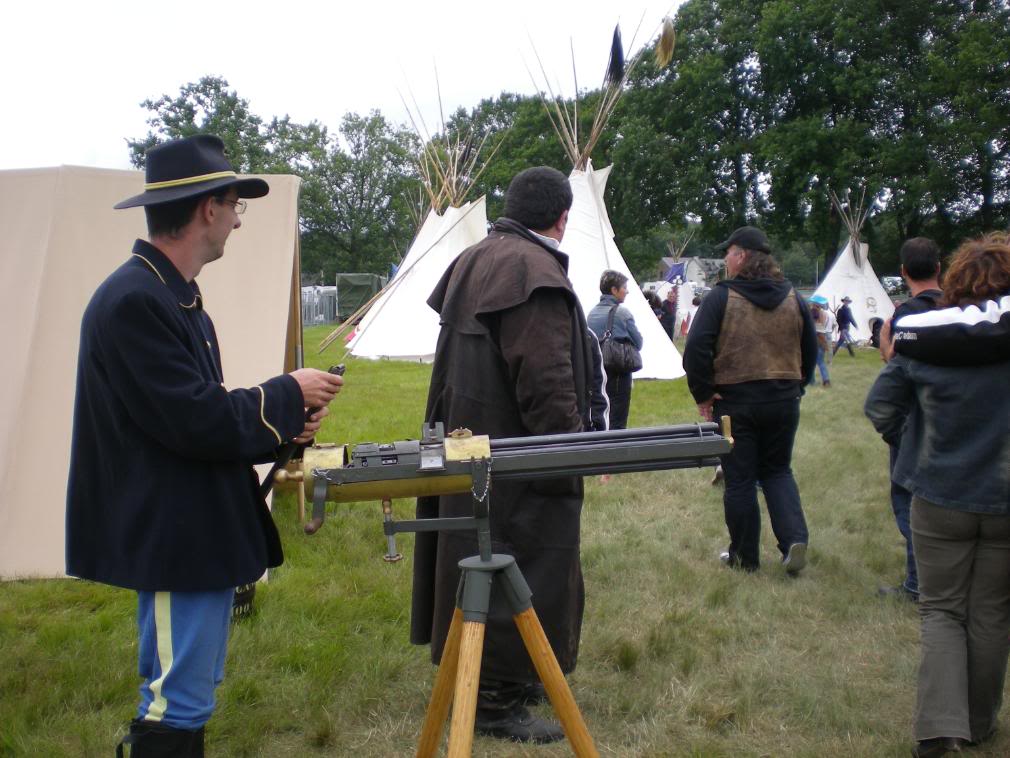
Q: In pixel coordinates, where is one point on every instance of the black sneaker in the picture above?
(518, 725)
(729, 560)
(937, 746)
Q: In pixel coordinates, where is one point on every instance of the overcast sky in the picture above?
(73, 74)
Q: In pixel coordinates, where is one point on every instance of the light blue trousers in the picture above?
(183, 640)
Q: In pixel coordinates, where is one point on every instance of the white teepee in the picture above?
(589, 237)
(589, 244)
(400, 324)
(852, 276)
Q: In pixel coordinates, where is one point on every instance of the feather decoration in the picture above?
(666, 43)
(615, 68)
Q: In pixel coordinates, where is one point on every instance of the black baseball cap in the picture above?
(748, 237)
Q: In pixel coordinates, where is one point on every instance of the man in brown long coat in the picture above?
(514, 358)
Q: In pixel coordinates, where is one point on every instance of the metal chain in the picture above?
(487, 483)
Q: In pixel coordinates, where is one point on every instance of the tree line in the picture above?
(767, 105)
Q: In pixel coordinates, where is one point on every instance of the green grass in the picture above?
(679, 657)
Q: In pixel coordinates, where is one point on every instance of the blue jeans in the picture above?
(901, 504)
(822, 365)
(763, 435)
(844, 340)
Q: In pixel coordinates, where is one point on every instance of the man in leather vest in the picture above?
(749, 352)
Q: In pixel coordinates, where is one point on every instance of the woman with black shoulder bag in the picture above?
(620, 343)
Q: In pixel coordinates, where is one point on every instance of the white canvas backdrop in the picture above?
(60, 239)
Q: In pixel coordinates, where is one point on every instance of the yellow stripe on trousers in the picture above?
(163, 630)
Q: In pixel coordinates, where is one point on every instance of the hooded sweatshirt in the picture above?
(743, 330)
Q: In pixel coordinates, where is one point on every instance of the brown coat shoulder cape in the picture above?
(513, 359)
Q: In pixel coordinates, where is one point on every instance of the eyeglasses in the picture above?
(238, 205)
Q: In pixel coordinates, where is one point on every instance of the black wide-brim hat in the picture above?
(187, 167)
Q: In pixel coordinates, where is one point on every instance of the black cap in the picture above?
(748, 237)
(191, 166)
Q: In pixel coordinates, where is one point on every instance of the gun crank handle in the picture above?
(313, 525)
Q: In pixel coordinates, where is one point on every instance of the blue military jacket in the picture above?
(162, 494)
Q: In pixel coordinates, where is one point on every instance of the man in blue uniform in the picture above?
(162, 496)
(846, 322)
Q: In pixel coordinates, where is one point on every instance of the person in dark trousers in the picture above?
(162, 496)
(845, 323)
(950, 408)
(614, 289)
(668, 319)
(920, 268)
(751, 350)
(514, 358)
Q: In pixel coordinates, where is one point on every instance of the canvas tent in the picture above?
(400, 325)
(589, 244)
(589, 236)
(354, 290)
(852, 276)
(61, 238)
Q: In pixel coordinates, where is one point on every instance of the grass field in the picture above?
(679, 657)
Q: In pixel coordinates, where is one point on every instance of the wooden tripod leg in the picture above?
(441, 692)
(554, 682)
(301, 503)
(464, 709)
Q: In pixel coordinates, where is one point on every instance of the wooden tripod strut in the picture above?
(557, 688)
(461, 659)
(441, 693)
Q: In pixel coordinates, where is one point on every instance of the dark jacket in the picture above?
(844, 316)
(162, 494)
(668, 315)
(513, 359)
(953, 426)
(926, 300)
(966, 336)
(700, 349)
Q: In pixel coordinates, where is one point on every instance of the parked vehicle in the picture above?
(893, 285)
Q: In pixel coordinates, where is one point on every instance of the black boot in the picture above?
(533, 694)
(501, 713)
(517, 724)
(149, 739)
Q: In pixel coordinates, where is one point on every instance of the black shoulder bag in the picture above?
(618, 357)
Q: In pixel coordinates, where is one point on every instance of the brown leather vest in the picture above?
(756, 344)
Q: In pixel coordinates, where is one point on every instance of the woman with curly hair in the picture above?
(953, 425)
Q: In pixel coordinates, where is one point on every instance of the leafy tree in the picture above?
(354, 217)
(206, 107)
(351, 212)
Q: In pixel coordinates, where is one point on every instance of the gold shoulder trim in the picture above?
(152, 267)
